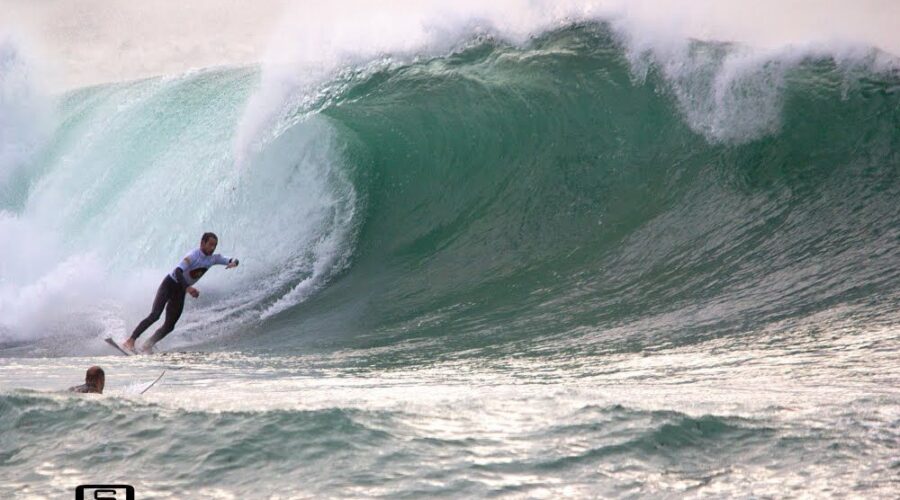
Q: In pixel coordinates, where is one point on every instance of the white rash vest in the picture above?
(195, 264)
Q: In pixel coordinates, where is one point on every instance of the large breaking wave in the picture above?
(578, 189)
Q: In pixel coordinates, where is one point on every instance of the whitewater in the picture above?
(550, 251)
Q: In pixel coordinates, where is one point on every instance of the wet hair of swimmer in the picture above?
(95, 378)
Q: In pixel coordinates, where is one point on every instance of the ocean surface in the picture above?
(564, 266)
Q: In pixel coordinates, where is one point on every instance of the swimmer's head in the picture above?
(95, 378)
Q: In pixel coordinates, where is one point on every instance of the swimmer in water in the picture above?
(94, 380)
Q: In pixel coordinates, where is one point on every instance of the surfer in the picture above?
(94, 380)
(175, 285)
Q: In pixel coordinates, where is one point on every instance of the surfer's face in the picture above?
(209, 246)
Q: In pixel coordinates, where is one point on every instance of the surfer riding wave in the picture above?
(171, 292)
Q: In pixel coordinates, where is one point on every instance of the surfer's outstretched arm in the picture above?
(228, 262)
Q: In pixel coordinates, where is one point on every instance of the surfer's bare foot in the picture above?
(147, 348)
(128, 345)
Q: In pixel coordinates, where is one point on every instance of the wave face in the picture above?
(579, 191)
(572, 189)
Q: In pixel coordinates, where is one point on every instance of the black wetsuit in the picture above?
(169, 295)
(171, 292)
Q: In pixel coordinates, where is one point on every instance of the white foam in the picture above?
(24, 107)
(96, 41)
(103, 225)
(735, 93)
(315, 42)
(735, 99)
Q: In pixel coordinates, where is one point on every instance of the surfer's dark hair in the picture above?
(207, 236)
(94, 375)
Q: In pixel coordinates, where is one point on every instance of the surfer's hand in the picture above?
(193, 291)
(232, 263)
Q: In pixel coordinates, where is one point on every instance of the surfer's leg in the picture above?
(162, 295)
(174, 307)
